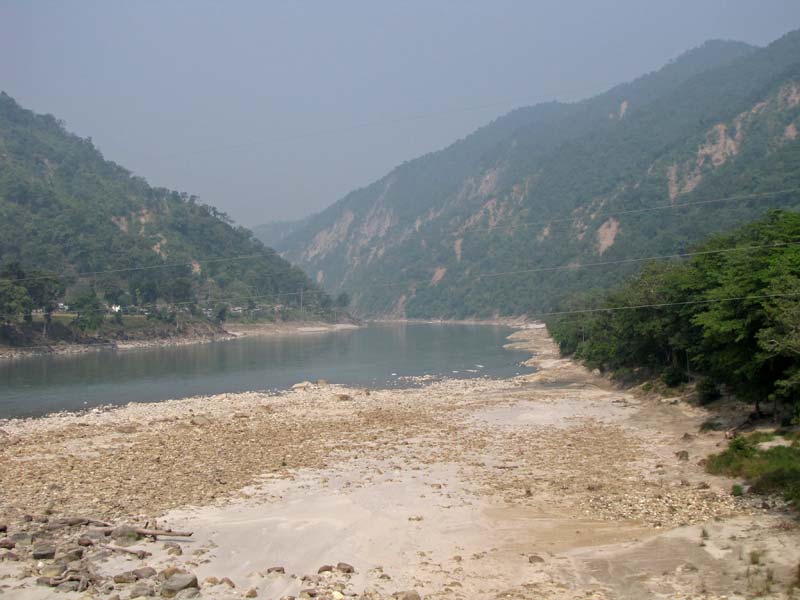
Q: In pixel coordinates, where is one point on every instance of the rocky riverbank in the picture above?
(230, 332)
(549, 485)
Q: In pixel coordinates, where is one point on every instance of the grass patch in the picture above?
(772, 471)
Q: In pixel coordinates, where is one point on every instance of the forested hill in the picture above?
(65, 211)
(544, 186)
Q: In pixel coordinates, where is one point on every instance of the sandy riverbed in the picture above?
(549, 485)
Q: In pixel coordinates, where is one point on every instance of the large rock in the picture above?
(54, 570)
(7, 544)
(125, 534)
(126, 577)
(43, 552)
(142, 588)
(144, 572)
(345, 568)
(71, 554)
(178, 582)
(409, 595)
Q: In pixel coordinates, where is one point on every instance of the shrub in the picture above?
(673, 376)
(772, 471)
(707, 390)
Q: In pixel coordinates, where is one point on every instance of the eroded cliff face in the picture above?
(540, 187)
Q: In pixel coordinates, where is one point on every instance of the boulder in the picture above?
(325, 569)
(251, 593)
(7, 544)
(144, 572)
(125, 534)
(68, 586)
(53, 570)
(71, 554)
(43, 552)
(276, 570)
(142, 588)
(21, 538)
(345, 568)
(126, 577)
(177, 582)
(173, 548)
(682, 455)
(409, 595)
(535, 558)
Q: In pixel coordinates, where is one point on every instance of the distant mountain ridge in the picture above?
(720, 120)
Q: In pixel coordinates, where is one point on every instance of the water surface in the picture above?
(380, 355)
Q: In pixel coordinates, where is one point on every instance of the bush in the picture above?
(772, 471)
(707, 390)
(673, 376)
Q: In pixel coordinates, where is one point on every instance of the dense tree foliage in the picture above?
(74, 226)
(730, 314)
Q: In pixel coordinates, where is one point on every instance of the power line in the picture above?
(471, 230)
(595, 310)
(569, 267)
(132, 269)
(311, 292)
(641, 259)
(661, 304)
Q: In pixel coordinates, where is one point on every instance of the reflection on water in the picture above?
(374, 356)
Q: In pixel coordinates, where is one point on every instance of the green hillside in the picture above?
(98, 235)
(544, 186)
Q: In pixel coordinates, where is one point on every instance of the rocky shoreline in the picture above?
(548, 485)
(232, 332)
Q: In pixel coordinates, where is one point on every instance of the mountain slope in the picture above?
(537, 188)
(65, 210)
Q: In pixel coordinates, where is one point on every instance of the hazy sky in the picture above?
(273, 110)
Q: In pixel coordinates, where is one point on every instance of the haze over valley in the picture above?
(400, 302)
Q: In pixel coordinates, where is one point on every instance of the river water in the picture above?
(377, 356)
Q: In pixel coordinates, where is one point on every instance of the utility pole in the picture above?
(301, 301)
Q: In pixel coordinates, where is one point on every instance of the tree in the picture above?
(221, 313)
(45, 292)
(89, 311)
(343, 300)
(14, 301)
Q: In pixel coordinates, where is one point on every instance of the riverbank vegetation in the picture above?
(770, 462)
(727, 320)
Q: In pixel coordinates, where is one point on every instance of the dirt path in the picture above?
(550, 485)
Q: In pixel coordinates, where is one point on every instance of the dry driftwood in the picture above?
(140, 554)
(151, 532)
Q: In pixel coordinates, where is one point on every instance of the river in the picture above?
(377, 356)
